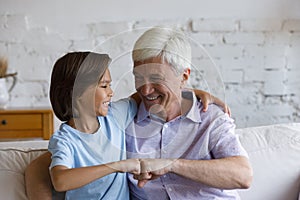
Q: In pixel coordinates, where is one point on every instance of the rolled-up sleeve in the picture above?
(224, 141)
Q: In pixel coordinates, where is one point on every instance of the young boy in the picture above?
(88, 150)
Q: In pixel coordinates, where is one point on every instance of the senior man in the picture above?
(185, 152)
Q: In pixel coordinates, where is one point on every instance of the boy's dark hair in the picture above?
(72, 74)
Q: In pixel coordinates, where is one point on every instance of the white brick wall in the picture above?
(256, 25)
(258, 58)
(291, 25)
(244, 38)
(214, 25)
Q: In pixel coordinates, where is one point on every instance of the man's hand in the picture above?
(152, 169)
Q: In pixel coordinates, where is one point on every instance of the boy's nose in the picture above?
(111, 93)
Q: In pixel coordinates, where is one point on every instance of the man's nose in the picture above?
(146, 89)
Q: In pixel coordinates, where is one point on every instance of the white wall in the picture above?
(255, 45)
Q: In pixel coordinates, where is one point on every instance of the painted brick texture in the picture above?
(257, 61)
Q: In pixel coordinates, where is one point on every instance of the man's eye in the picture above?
(156, 79)
(138, 78)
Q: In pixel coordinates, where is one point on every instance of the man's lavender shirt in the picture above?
(196, 135)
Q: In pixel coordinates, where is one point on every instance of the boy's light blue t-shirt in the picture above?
(73, 149)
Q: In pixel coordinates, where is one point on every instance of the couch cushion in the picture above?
(274, 152)
(15, 156)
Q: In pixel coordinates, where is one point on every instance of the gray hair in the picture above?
(168, 43)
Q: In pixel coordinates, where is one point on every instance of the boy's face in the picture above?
(103, 95)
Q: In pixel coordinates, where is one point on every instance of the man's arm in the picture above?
(37, 178)
(226, 173)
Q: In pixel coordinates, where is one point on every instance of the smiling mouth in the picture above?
(106, 103)
(151, 98)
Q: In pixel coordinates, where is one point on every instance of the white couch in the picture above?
(274, 153)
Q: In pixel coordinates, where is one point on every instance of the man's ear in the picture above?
(186, 74)
(185, 77)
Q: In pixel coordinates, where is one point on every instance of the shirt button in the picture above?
(170, 189)
(166, 125)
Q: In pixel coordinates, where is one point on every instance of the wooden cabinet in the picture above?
(26, 123)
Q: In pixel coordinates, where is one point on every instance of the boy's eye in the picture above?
(105, 86)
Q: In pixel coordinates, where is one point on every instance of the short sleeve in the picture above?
(124, 111)
(224, 141)
(60, 149)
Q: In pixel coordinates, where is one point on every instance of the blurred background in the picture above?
(247, 51)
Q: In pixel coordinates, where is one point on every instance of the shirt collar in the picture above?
(142, 113)
(193, 114)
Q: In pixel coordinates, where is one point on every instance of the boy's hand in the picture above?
(130, 165)
(207, 99)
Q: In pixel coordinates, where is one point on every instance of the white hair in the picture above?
(168, 43)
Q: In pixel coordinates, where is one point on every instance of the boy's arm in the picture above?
(64, 178)
(136, 98)
(37, 178)
(207, 99)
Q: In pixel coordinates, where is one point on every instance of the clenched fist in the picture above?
(152, 169)
(130, 165)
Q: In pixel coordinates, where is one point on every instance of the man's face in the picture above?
(159, 86)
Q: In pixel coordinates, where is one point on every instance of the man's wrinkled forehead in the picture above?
(153, 68)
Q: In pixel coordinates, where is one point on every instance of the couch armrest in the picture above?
(274, 152)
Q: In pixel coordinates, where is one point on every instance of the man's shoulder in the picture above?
(213, 113)
(212, 108)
